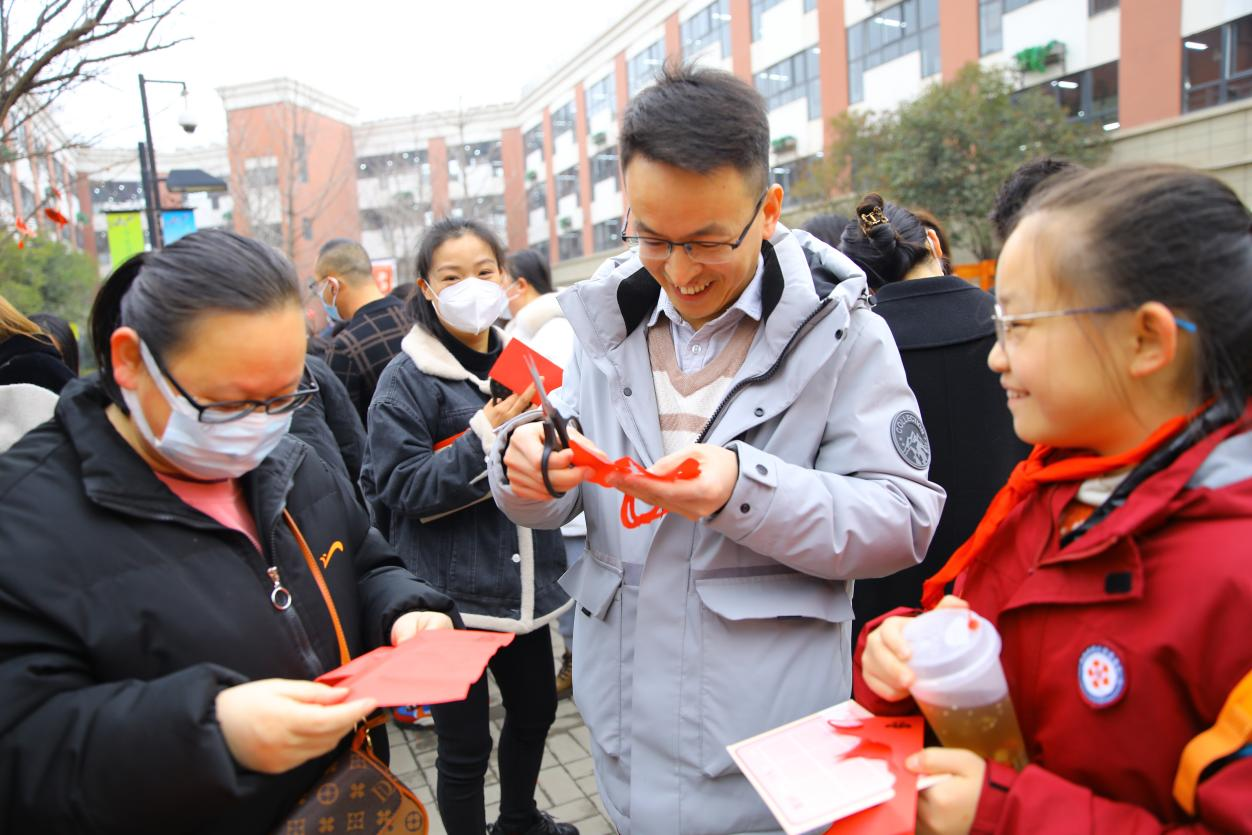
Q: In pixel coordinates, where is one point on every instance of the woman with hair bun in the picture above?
(943, 327)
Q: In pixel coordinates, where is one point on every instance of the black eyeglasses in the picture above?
(702, 252)
(226, 411)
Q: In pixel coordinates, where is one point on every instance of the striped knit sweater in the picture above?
(685, 402)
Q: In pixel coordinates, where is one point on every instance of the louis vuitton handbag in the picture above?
(357, 793)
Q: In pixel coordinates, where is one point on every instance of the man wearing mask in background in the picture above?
(725, 338)
(374, 324)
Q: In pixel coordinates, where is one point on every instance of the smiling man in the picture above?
(724, 337)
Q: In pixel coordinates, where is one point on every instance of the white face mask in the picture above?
(209, 451)
(471, 304)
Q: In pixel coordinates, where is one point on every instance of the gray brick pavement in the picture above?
(567, 787)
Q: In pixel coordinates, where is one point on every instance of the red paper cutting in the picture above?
(601, 468)
(512, 372)
(890, 738)
(430, 668)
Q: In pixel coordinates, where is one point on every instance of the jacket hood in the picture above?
(531, 318)
(115, 476)
(433, 357)
(20, 344)
(800, 272)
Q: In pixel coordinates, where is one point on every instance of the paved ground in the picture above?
(567, 788)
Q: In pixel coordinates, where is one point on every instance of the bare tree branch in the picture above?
(35, 71)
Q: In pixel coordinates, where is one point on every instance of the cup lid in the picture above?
(947, 641)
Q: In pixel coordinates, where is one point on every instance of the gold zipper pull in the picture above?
(279, 596)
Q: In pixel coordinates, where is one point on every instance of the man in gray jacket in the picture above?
(763, 361)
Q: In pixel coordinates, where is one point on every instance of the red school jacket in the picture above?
(1119, 648)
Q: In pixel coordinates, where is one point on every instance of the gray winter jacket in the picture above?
(692, 635)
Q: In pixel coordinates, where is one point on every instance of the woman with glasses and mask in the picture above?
(159, 620)
(430, 425)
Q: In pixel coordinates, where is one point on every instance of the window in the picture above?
(537, 197)
(307, 228)
(541, 247)
(215, 202)
(567, 183)
(1094, 7)
(605, 235)
(533, 140)
(897, 30)
(1012, 5)
(1217, 65)
(302, 161)
(602, 96)
(810, 5)
(790, 174)
(260, 172)
(758, 8)
(384, 165)
(990, 27)
(641, 70)
(570, 245)
(371, 220)
(562, 120)
(1088, 96)
(112, 191)
(474, 154)
(604, 167)
(708, 26)
(790, 79)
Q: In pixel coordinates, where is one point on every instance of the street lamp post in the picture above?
(147, 160)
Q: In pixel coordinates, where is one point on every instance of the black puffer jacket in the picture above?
(124, 611)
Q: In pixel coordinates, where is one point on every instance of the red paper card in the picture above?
(842, 764)
(512, 372)
(428, 669)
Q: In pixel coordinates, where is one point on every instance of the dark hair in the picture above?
(932, 223)
(1131, 234)
(827, 228)
(404, 292)
(436, 236)
(62, 334)
(161, 294)
(886, 241)
(343, 258)
(699, 119)
(530, 265)
(1021, 184)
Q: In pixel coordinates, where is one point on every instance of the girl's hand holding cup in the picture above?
(885, 662)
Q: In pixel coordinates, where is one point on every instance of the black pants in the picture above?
(523, 671)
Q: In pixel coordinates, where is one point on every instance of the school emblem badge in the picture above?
(909, 436)
(1101, 676)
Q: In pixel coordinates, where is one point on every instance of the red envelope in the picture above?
(428, 669)
(512, 372)
(890, 738)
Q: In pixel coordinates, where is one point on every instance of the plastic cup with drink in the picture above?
(960, 687)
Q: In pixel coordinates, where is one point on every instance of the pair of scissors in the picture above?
(555, 428)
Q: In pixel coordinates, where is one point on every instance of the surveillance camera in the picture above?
(187, 122)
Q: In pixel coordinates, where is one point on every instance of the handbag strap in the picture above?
(316, 570)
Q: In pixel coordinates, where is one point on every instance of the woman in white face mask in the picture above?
(424, 474)
(161, 623)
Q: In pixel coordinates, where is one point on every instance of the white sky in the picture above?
(386, 57)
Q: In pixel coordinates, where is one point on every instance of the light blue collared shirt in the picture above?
(695, 348)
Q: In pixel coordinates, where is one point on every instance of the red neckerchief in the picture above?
(1027, 477)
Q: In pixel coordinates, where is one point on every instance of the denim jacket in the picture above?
(433, 501)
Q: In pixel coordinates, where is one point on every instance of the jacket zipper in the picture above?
(764, 376)
(289, 613)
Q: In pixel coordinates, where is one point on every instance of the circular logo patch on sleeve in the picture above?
(909, 436)
(1101, 676)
